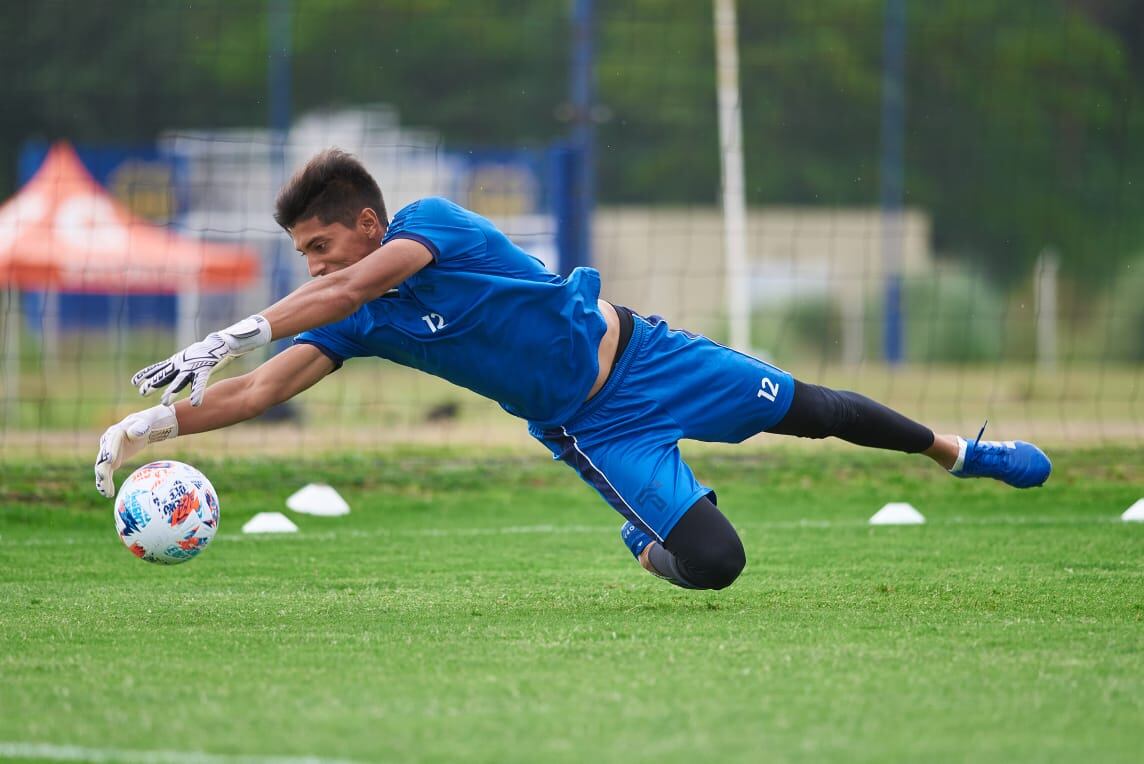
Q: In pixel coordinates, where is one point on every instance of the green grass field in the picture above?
(487, 611)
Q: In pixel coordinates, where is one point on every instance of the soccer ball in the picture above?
(166, 512)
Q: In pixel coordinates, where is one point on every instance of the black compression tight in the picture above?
(704, 552)
(701, 552)
(819, 412)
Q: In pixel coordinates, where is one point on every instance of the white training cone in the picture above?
(1135, 513)
(318, 499)
(269, 522)
(897, 513)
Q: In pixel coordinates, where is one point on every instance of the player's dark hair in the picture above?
(333, 187)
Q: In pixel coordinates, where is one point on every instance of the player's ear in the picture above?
(369, 224)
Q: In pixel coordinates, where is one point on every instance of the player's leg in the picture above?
(673, 527)
(820, 412)
(715, 393)
(702, 551)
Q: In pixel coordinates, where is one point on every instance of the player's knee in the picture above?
(707, 551)
(720, 563)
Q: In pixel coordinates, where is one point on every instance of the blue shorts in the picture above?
(667, 385)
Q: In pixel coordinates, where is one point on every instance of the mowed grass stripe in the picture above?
(561, 530)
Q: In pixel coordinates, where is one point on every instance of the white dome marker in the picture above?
(269, 522)
(1135, 513)
(897, 513)
(318, 499)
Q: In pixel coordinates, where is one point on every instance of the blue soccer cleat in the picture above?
(1016, 462)
(634, 539)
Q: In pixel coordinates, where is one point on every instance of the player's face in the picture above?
(331, 247)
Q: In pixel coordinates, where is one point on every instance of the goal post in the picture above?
(737, 281)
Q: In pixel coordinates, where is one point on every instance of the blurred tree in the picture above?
(1022, 129)
(117, 71)
(1019, 135)
(812, 75)
(1125, 18)
(482, 72)
(1020, 117)
(656, 75)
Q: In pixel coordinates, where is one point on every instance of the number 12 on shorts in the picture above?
(768, 390)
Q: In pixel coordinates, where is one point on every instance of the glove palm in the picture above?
(194, 364)
(125, 439)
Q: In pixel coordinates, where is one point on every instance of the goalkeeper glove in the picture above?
(125, 439)
(196, 363)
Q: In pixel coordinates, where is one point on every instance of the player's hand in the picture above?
(125, 439)
(195, 363)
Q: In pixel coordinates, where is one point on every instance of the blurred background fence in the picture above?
(940, 204)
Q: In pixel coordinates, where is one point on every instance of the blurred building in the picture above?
(670, 261)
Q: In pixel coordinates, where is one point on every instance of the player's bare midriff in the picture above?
(607, 352)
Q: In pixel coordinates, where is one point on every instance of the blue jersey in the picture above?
(484, 315)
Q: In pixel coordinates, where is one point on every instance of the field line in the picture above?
(558, 530)
(50, 752)
(513, 530)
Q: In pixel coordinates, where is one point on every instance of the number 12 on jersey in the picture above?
(435, 321)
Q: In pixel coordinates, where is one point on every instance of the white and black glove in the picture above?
(123, 440)
(196, 363)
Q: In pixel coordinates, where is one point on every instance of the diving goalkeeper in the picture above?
(608, 391)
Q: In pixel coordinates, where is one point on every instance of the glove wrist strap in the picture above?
(248, 334)
(164, 423)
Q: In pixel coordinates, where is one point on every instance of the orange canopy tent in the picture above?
(62, 231)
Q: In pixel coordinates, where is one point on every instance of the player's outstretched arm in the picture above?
(332, 297)
(232, 400)
(320, 301)
(237, 399)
